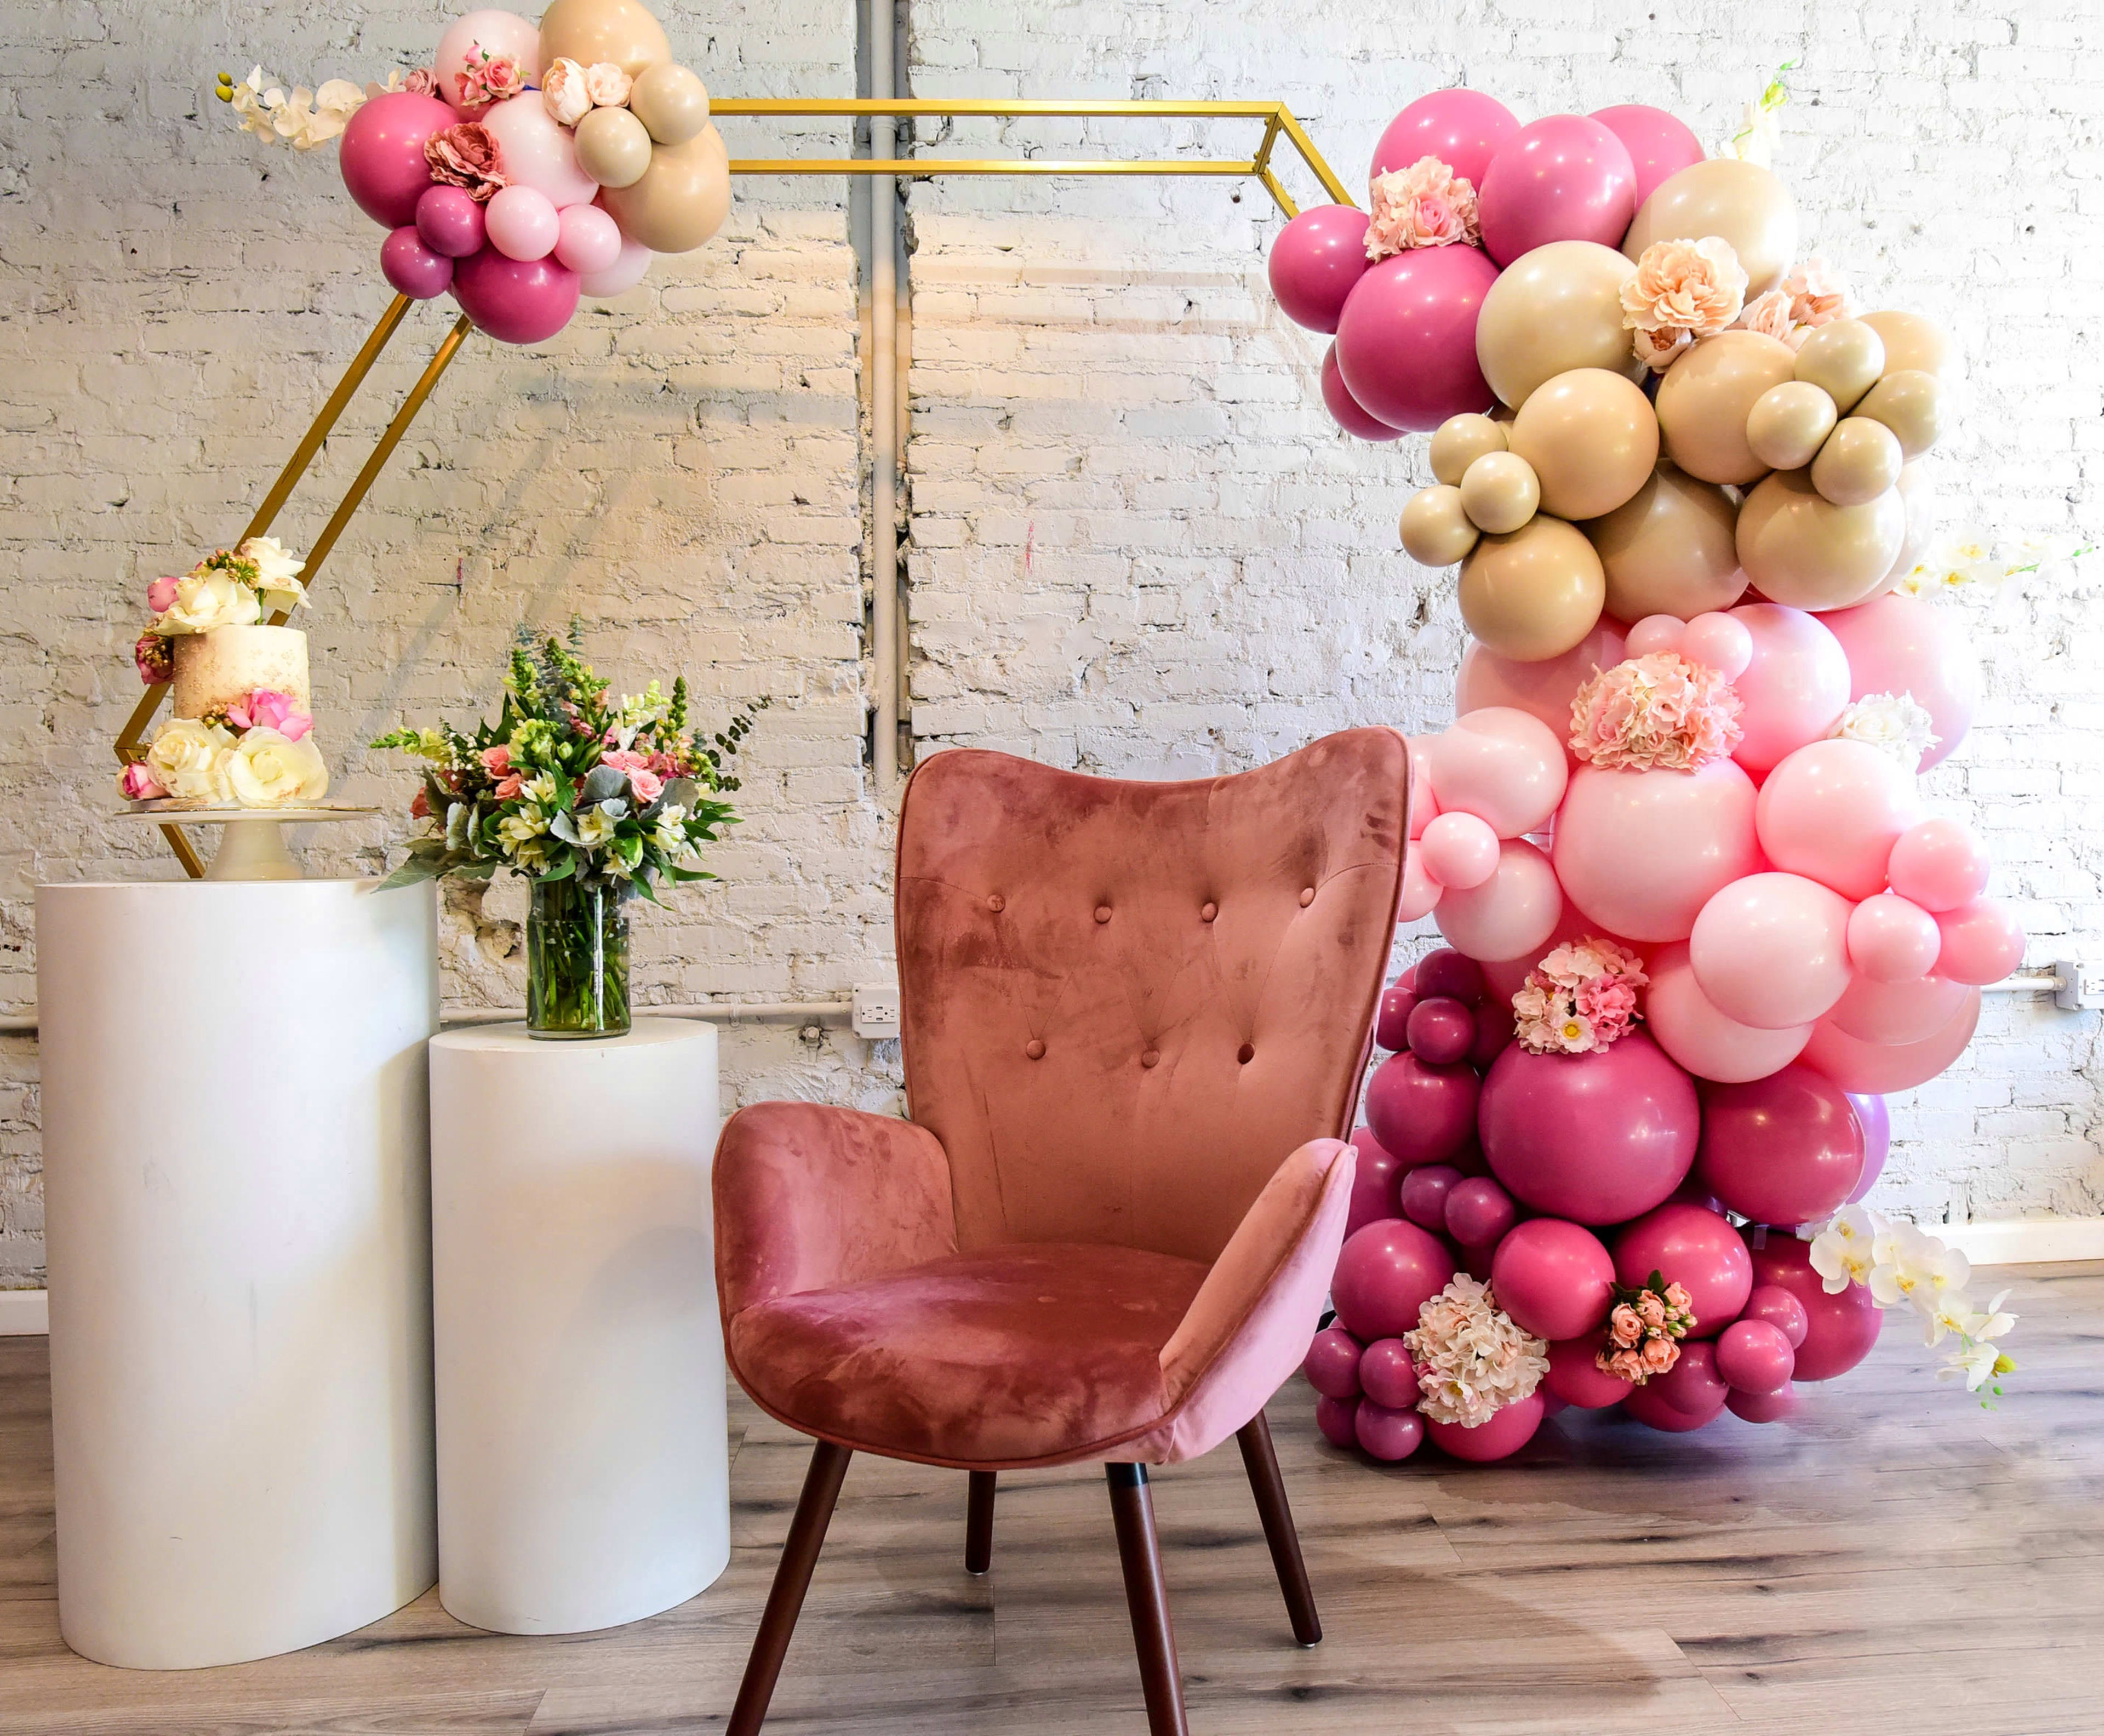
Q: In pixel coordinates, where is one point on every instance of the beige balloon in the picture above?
(1592, 438)
(612, 147)
(1789, 423)
(1844, 359)
(1801, 549)
(1669, 550)
(1459, 440)
(1555, 308)
(682, 199)
(1501, 492)
(1910, 402)
(671, 101)
(591, 31)
(1915, 341)
(1742, 202)
(1859, 462)
(1706, 397)
(1436, 532)
(1533, 594)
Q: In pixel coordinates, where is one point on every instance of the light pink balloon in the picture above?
(1685, 1023)
(1906, 645)
(590, 239)
(1504, 977)
(1719, 643)
(500, 35)
(538, 152)
(1982, 942)
(1940, 865)
(1460, 851)
(1771, 950)
(1423, 804)
(1640, 852)
(1794, 688)
(522, 223)
(1833, 810)
(1884, 1068)
(1503, 765)
(1514, 909)
(1544, 689)
(1890, 940)
(621, 276)
(1656, 633)
(1875, 1012)
(1420, 891)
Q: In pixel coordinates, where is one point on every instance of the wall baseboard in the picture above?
(25, 1312)
(2024, 1241)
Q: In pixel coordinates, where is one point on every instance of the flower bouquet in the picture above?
(594, 802)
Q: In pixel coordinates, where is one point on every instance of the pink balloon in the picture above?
(1444, 971)
(1574, 1375)
(1906, 645)
(620, 277)
(1939, 865)
(523, 223)
(1479, 1212)
(1754, 1357)
(1392, 1022)
(1423, 805)
(381, 155)
(515, 302)
(1686, 1024)
(1656, 633)
(1336, 1418)
(1423, 1114)
(1375, 1181)
(1555, 1278)
(1332, 1363)
(1890, 940)
(1642, 853)
(1833, 810)
(1785, 1150)
(1389, 1436)
(1385, 1273)
(1649, 1405)
(1462, 128)
(1407, 340)
(1494, 1031)
(1315, 261)
(1840, 1329)
(1424, 1194)
(1598, 1138)
(1504, 977)
(1884, 1068)
(1387, 1376)
(1345, 410)
(1875, 1012)
(1442, 1031)
(1795, 686)
(1694, 1247)
(412, 268)
(588, 239)
(1692, 1385)
(1877, 1121)
(538, 151)
(501, 35)
(1771, 950)
(1544, 689)
(1459, 849)
(1660, 145)
(1503, 1433)
(1505, 766)
(1777, 1307)
(1719, 642)
(450, 221)
(1515, 909)
(1420, 892)
(1565, 177)
(1982, 942)
(1752, 1407)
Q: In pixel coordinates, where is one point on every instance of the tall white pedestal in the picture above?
(236, 1189)
(582, 1458)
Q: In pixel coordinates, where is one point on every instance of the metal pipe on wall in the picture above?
(883, 403)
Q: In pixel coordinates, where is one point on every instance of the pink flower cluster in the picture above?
(156, 663)
(1812, 296)
(646, 777)
(1426, 205)
(1579, 999)
(488, 77)
(1644, 1330)
(1472, 1358)
(268, 709)
(466, 155)
(1659, 712)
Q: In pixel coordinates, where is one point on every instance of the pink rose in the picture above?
(1685, 286)
(161, 595)
(502, 78)
(138, 782)
(647, 785)
(1659, 350)
(497, 761)
(1426, 205)
(423, 82)
(157, 664)
(267, 709)
(624, 759)
(1651, 1309)
(1677, 1299)
(1624, 1365)
(465, 155)
(1624, 1326)
(1659, 1354)
(563, 92)
(1769, 315)
(607, 85)
(509, 785)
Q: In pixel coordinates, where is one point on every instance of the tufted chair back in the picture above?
(1125, 1003)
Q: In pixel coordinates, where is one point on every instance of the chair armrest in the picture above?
(808, 1195)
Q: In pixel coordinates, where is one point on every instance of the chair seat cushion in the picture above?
(1020, 1353)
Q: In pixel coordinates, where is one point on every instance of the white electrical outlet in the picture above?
(876, 1010)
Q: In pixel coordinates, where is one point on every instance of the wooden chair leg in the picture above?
(978, 1522)
(792, 1578)
(1132, 1509)
(1269, 1489)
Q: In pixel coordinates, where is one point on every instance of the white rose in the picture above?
(184, 757)
(265, 770)
(563, 92)
(278, 573)
(1891, 723)
(608, 85)
(207, 601)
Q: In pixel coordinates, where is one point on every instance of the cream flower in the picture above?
(594, 825)
(1685, 286)
(206, 601)
(183, 758)
(1818, 293)
(563, 91)
(278, 573)
(1891, 723)
(528, 823)
(1844, 1252)
(263, 769)
(1659, 350)
(607, 85)
(1426, 205)
(1768, 313)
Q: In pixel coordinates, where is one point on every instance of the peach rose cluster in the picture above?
(1683, 290)
(1815, 294)
(1426, 205)
(1644, 1330)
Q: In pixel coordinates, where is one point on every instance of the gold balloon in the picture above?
(1592, 438)
(1501, 492)
(1555, 308)
(671, 101)
(612, 147)
(1742, 202)
(1859, 462)
(1669, 550)
(1436, 532)
(1843, 360)
(1913, 340)
(683, 197)
(1535, 594)
(590, 31)
(1789, 423)
(1459, 440)
(1803, 551)
(1910, 402)
(1706, 397)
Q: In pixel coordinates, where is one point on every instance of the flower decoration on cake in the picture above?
(1579, 999)
(1426, 205)
(232, 587)
(1472, 1358)
(1645, 1326)
(257, 752)
(1660, 711)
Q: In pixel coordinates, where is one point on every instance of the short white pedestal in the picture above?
(582, 1459)
(235, 1177)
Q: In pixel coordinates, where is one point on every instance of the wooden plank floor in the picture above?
(1898, 1561)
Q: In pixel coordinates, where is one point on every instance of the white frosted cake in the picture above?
(218, 669)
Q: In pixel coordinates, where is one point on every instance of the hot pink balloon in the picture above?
(1660, 145)
(1686, 1024)
(1565, 177)
(1385, 1273)
(1691, 1246)
(1505, 766)
(1640, 852)
(1332, 1363)
(1345, 410)
(1442, 971)
(412, 267)
(1544, 689)
(515, 302)
(1649, 1405)
(1501, 1436)
(1780, 1309)
(1424, 1194)
(1752, 1407)
(1656, 633)
(1692, 1385)
(1387, 1376)
(1771, 950)
(1375, 1180)
(1794, 688)
(524, 224)
(1515, 909)
(1875, 1012)
(1442, 1031)
(1462, 128)
(1337, 1420)
(1459, 849)
(1407, 340)
(1479, 1212)
(1841, 1329)
(1877, 1121)
(1494, 1031)
(1555, 1278)
(1574, 1375)
(1884, 1068)
(538, 151)
(1420, 892)
(450, 221)
(1939, 865)
(1785, 1150)
(1906, 645)
(621, 276)
(1392, 1021)
(588, 240)
(381, 155)
(1423, 1114)
(1982, 942)
(1719, 642)
(1833, 810)
(1753, 1356)
(1315, 261)
(496, 34)
(1890, 940)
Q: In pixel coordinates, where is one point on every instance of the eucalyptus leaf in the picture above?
(603, 783)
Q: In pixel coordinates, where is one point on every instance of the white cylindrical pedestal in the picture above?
(582, 1457)
(236, 1186)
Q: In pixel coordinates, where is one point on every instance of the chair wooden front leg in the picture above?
(978, 1522)
(792, 1578)
(1269, 1489)
(1139, 1550)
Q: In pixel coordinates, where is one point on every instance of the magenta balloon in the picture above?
(1424, 1194)
(1877, 1124)
(1575, 1376)
(1599, 1138)
(1554, 1278)
(1875, 1012)
(1442, 1031)
(1387, 1435)
(1833, 810)
(1840, 1329)
(1795, 688)
(1694, 1248)
(1504, 1434)
(1392, 1022)
(1884, 1068)
(1385, 1273)
(1785, 1150)
(1685, 1023)
(1906, 645)
(1752, 1407)
(1335, 1418)
(1891, 940)
(1315, 261)
(1780, 1309)
(1565, 177)
(1648, 1405)
(1660, 145)
(1753, 1356)
(381, 154)
(1423, 1114)
(1982, 942)
(1494, 1032)
(1444, 971)
(1462, 128)
(1512, 913)
(1387, 1376)
(1544, 689)
(1771, 950)
(1640, 853)
(516, 301)
(1407, 340)
(1479, 1212)
(1376, 1181)
(412, 268)
(1692, 1385)
(1345, 410)
(1939, 865)
(1332, 1363)
(450, 221)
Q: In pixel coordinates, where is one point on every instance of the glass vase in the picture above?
(577, 960)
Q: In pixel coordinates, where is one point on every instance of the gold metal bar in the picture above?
(995, 107)
(921, 168)
(1270, 139)
(185, 851)
(1312, 157)
(1280, 196)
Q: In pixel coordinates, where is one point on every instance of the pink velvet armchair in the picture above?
(1135, 1016)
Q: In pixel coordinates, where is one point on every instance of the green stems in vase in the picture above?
(577, 960)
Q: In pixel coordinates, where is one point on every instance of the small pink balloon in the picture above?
(1685, 1023)
(1778, 1307)
(1752, 1407)
(1841, 1327)
(1459, 849)
(1392, 1022)
(1719, 642)
(450, 221)
(1939, 865)
(1479, 1212)
(1332, 1363)
(524, 224)
(1875, 1012)
(1515, 909)
(1574, 1375)
(538, 151)
(1505, 766)
(1554, 1278)
(1375, 1178)
(515, 302)
(1648, 1405)
(1423, 805)
(588, 240)
(1642, 853)
(381, 155)
(1692, 1385)
(1982, 942)
(1833, 810)
(486, 32)
(1423, 1114)
(1345, 410)
(1694, 1247)
(1753, 1356)
(1420, 892)
(1660, 145)
(1387, 1376)
(1444, 971)
(1407, 340)
(1500, 1436)
(1384, 1275)
(1881, 1068)
(1656, 633)
(1315, 261)
(1424, 1194)
(1771, 950)
(1506, 977)
(1442, 1031)
(1565, 177)
(1897, 645)
(1795, 685)
(413, 268)
(620, 277)
(1890, 940)
(1462, 128)
(1335, 1418)
(1785, 1150)
(1544, 689)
